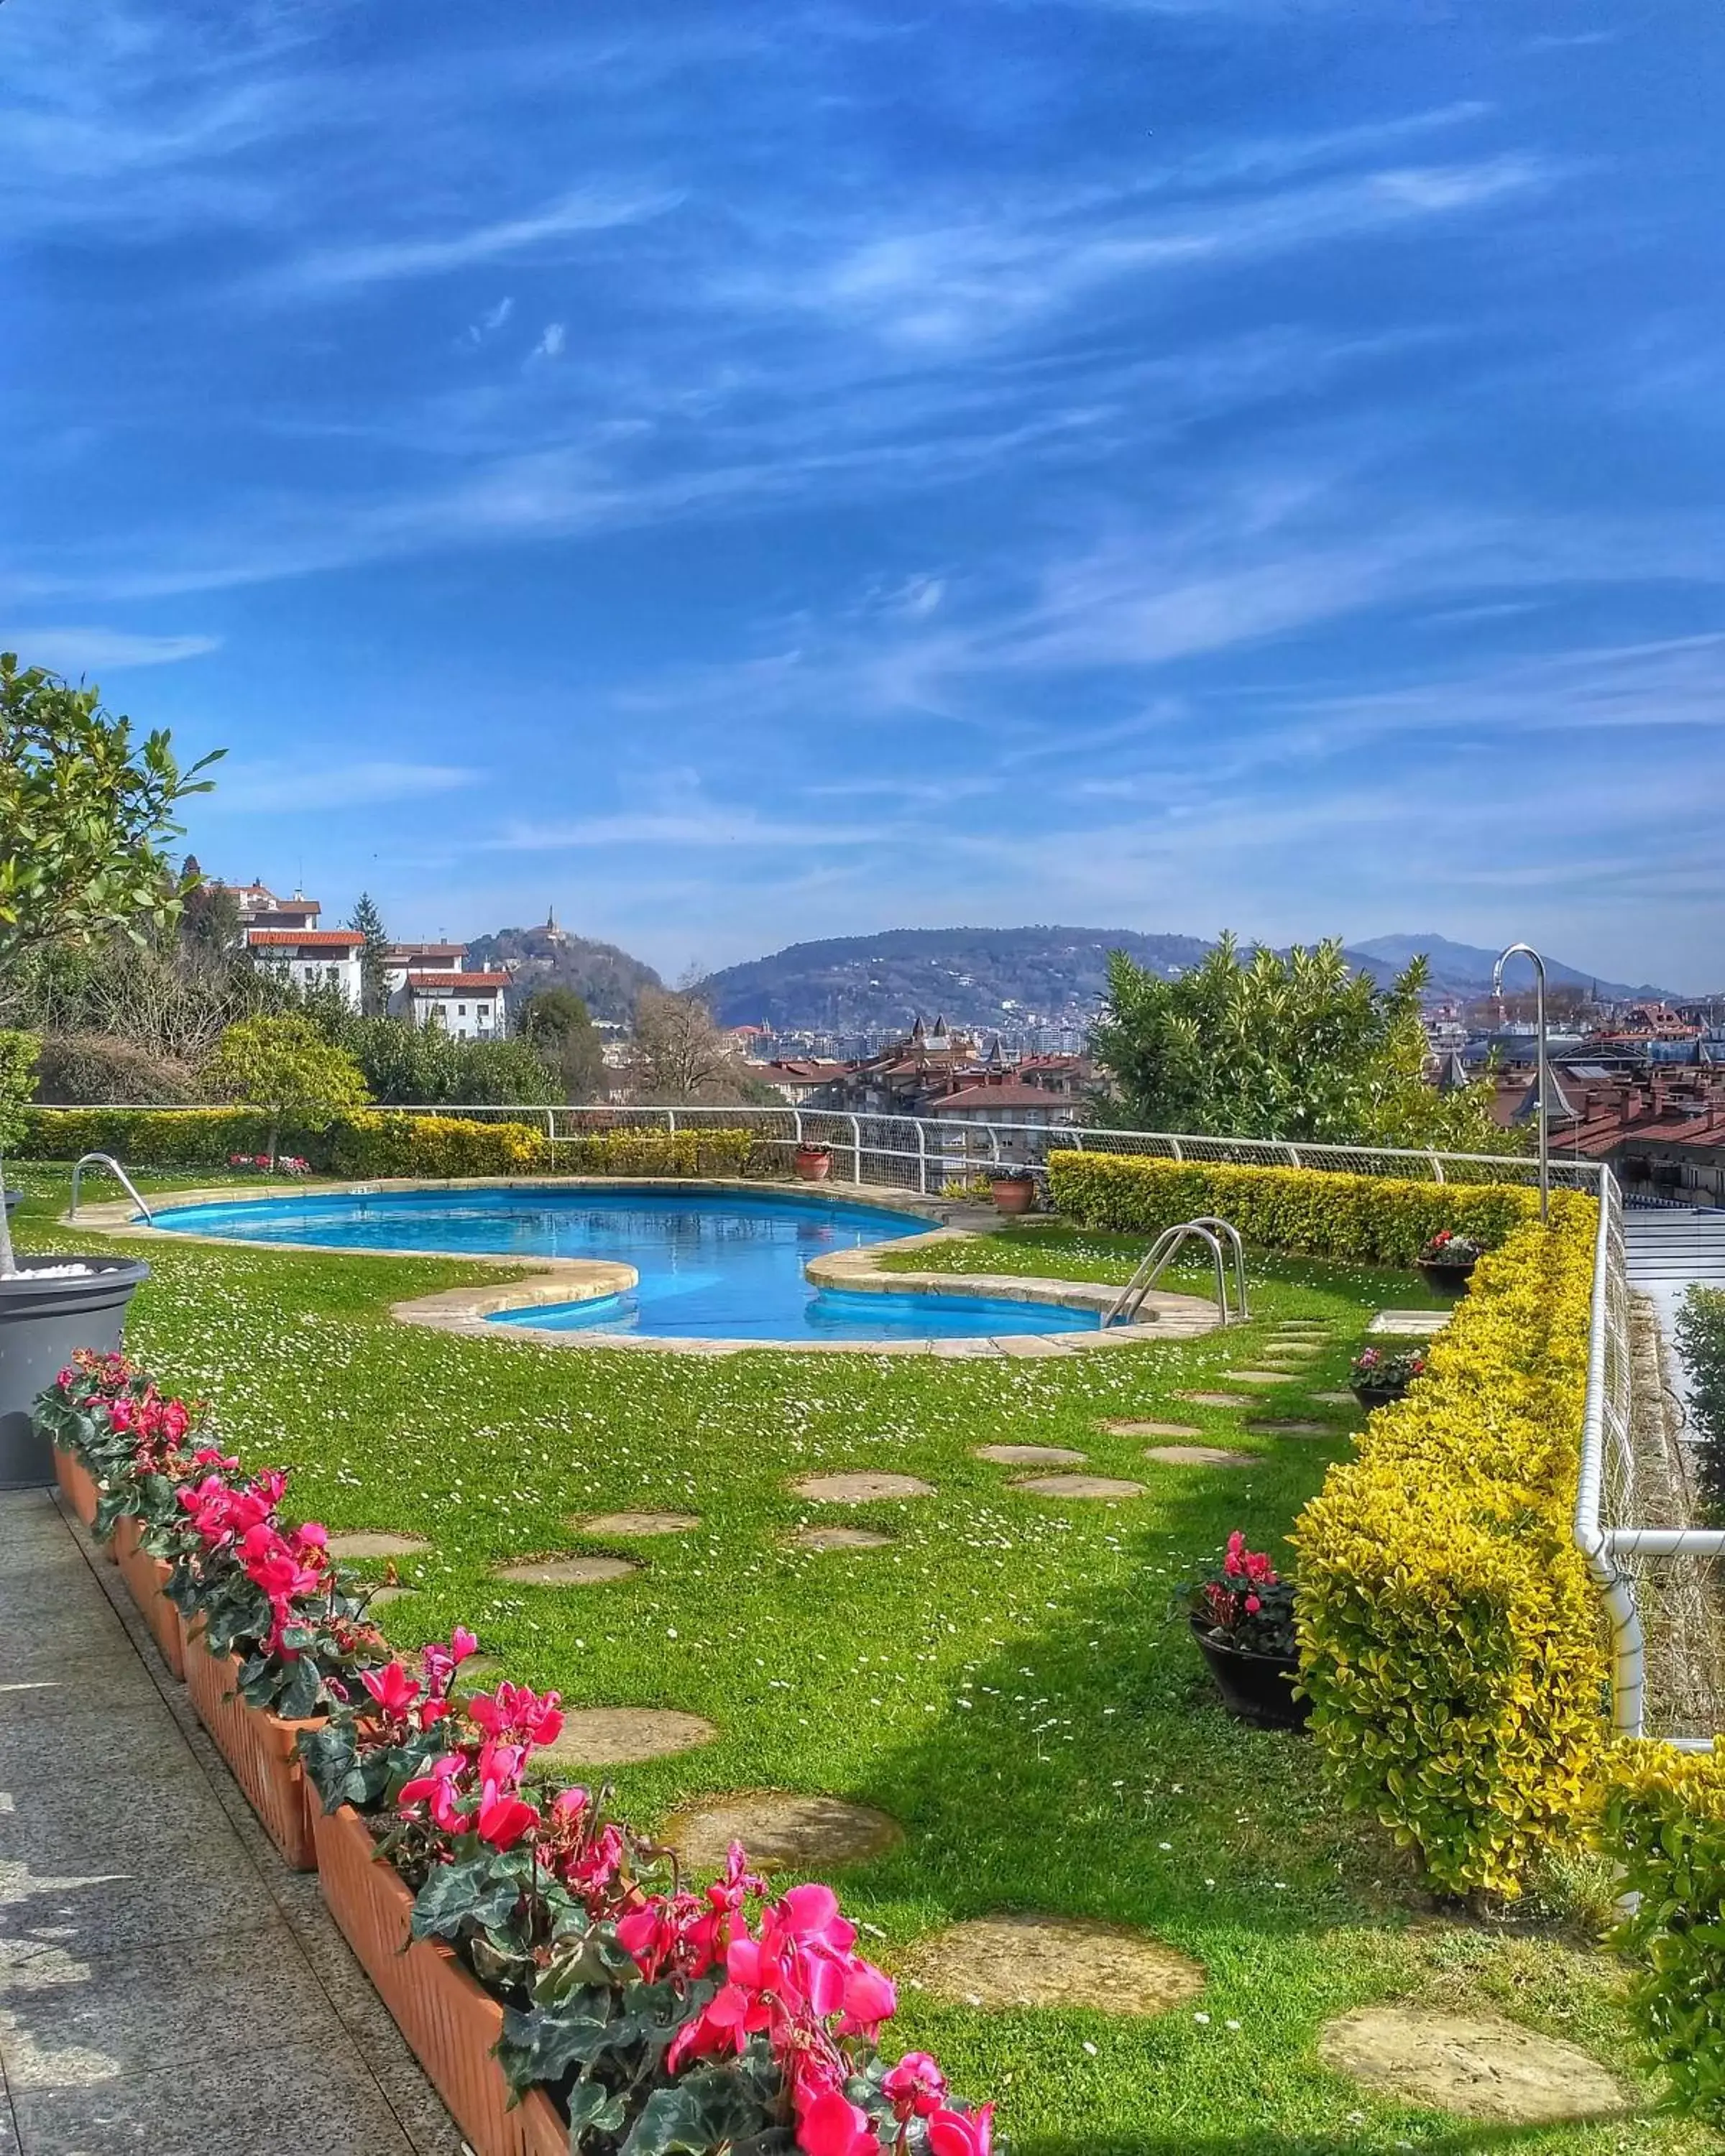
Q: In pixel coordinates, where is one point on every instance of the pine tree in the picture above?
(373, 982)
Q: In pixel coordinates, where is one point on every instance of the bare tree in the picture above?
(678, 1053)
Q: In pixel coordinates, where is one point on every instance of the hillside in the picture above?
(1465, 969)
(606, 979)
(982, 979)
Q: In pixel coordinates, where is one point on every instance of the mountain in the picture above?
(979, 980)
(1465, 969)
(606, 978)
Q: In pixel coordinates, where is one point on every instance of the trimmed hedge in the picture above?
(1665, 1824)
(1363, 1219)
(1449, 1637)
(377, 1143)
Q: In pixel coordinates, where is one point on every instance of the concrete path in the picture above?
(1666, 1250)
(166, 1985)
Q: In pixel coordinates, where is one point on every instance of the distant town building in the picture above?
(469, 1006)
(311, 957)
(259, 907)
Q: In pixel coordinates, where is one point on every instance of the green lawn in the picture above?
(1005, 1680)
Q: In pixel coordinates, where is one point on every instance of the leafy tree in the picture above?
(84, 808)
(1264, 1046)
(373, 983)
(285, 1066)
(554, 1022)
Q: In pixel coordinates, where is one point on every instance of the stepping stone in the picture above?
(625, 1736)
(637, 1524)
(1199, 1455)
(369, 1542)
(778, 1827)
(840, 1538)
(1004, 1962)
(1077, 1485)
(859, 1489)
(1030, 1456)
(1476, 2066)
(1215, 1399)
(1153, 1429)
(565, 1571)
(1258, 1377)
(1335, 1399)
(380, 1596)
(1295, 1430)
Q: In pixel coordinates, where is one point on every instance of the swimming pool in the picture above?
(711, 1264)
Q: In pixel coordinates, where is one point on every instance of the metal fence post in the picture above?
(856, 1148)
(921, 1157)
(1437, 1167)
(670, 1121)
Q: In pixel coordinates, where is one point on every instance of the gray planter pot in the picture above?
(43, 1322)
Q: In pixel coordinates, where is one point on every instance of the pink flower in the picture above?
(916, 2087)
(832, 2126)
(1253, 1605)
(394, 1691)
(961, 2133)
(870, 2000)
(503, 1817)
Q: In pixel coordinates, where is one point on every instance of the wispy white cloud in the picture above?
(68, 649)
(261, 788)
(551, 339)
(540, 234)
(490, 322)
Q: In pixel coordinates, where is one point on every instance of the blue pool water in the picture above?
(714, 1264)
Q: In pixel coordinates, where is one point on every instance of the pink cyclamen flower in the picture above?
(870, 2000)
(961, 2133)
(394, 1691)
(832, 2126)
(916, 2087)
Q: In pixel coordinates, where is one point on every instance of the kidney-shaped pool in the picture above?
(711, 1264)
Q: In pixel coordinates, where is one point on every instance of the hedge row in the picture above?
(1362, 1219)
(377, 1143)
(1665, 1825)
(1450, 1636)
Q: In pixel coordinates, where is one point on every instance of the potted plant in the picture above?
(813, 1163)
(1242, 1618)
(1447, 1261)
(1013, 1189)
(84, 808)
(1378, 1378)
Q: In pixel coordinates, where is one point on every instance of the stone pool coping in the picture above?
(555, 1281)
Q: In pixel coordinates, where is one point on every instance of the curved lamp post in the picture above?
(1526, 951)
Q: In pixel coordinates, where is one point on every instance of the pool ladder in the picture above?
(107, 1160)
(1209, 1229)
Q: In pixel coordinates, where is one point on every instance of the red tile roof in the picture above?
(477, 981)
(313, 939)
(995, 1096)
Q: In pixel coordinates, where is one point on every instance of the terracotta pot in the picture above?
(1254, 1688)
(146, 1580)
(1013, 1194)
(451, 2024)
(811, 1166)
(77, 1485)
(259, 1746)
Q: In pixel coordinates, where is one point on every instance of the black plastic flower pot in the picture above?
(1377, 1396)
(1254, 1688)
(43, 1324)
(1447, 1280)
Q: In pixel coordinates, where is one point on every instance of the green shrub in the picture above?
(374, 1143)
(1701, 1342)
(77, 1067)
(1665, 1825)
(1449, 1635)
(1365, 1220)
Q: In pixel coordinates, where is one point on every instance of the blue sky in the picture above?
(750, 473)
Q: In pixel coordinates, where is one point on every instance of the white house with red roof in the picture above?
(468, 1005)
(311, 957)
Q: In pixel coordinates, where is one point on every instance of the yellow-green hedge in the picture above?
(1356, 1219)
(384, 1142)
(1665, 1824)
(1451, 1641)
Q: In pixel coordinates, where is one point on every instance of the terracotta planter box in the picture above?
(77, 1486)
(146, 1580)
(451, 2024)
(258, 1746)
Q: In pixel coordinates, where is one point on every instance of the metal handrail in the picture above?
(1221, 1227)
(1161, 1255)
(107, 1160)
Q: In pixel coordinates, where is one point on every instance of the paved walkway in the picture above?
(1666, 1250)
(166, 1985)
